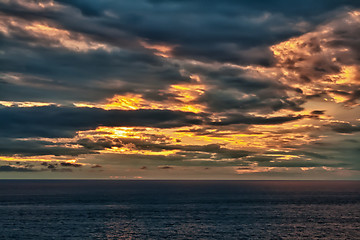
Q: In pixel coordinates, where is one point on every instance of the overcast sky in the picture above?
(155, 89)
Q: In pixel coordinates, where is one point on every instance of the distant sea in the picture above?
(87, 209)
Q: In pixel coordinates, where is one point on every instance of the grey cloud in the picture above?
(96, 166)
(248, 119)
(318, 112)
(9, 147)
(165, 167)
(60, 75)
(52, 121)
(68, 164)
(344, 127)
(222, 31)
(225, 31)
(16, 169)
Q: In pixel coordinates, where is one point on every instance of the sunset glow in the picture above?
(98, 90)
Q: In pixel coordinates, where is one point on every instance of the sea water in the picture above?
(87, 209)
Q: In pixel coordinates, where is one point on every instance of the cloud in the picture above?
(53, 121)
(165, 167)
(244, 89)
(68, 164)
(225, 31)
(318, 112)
(54, 167)
(344, 127)
(96, 166)
(230, 31)
(28, 71)
(148, 145)
(260, 85)
(32, 147)
(16, 169)
(324, 62)
(243, 119)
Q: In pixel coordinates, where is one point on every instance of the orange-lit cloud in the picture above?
(48, 158)
(46, 33)
(184, 98)
(159, 50)
(25, 104)
(320, 62)
(34, 5)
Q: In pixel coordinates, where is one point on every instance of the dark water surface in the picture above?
(43, 209)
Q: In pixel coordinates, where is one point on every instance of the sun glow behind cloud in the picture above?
(183, 98)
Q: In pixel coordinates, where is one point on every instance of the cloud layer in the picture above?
(193, 89)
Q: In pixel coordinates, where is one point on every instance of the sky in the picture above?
(155, 89)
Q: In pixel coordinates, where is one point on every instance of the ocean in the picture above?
(102, 209)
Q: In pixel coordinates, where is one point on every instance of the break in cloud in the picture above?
(180, 89)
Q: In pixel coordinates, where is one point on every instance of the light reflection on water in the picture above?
(179, 210)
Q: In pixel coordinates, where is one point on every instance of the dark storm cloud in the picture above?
(16, 169)
(344, 127)
(248, 119)
(218, 101)
(221, 31)
(68, 164)
(52, 121)
(99, 144)
(303, 8)
(84, 67)
(243, 90)
(226, 31)
(72, 76)
(318, 112)
(96, 166)
(236, 78)
(354, 96)
(165, 167)
(9, 147)
(62, 167)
